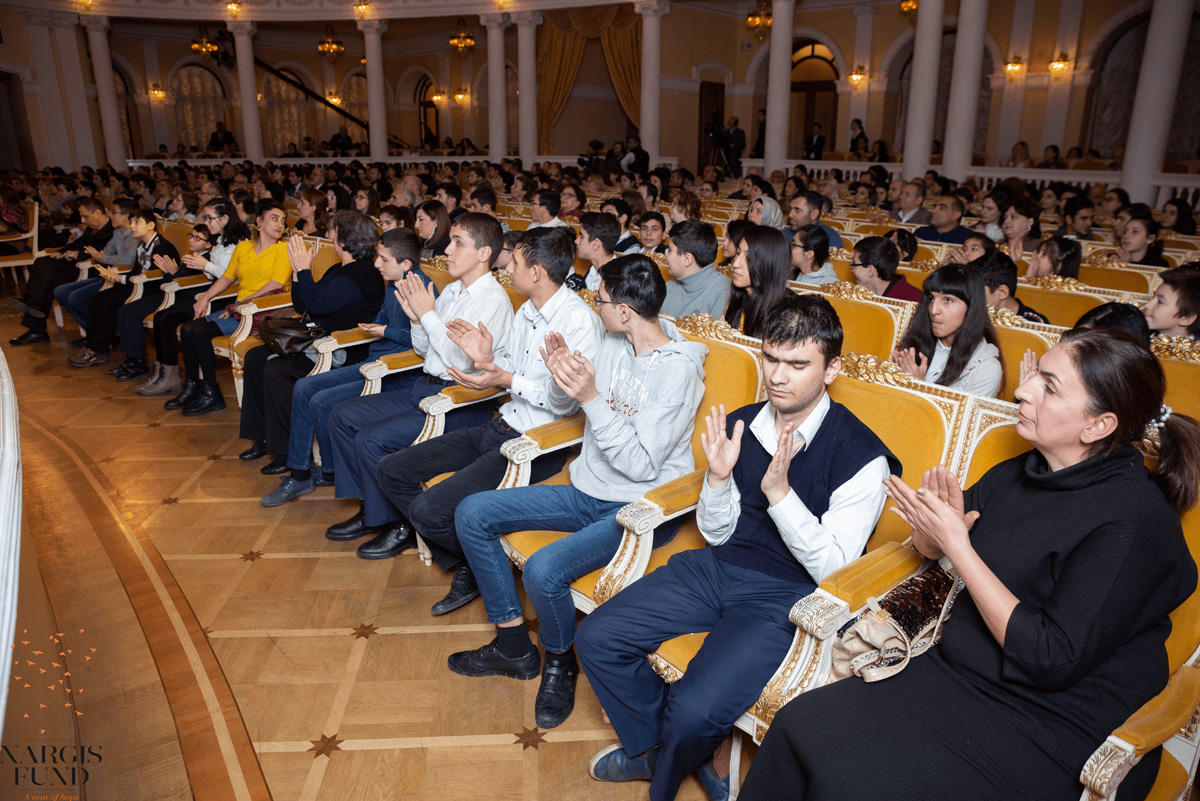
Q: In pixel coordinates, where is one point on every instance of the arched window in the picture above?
(199, 101)
(123, 106)
(284, 113)
(427, 113)
(355, 96)
(814, 94)
(1115, 70)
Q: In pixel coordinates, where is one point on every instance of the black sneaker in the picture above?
(488, 661)
(556, 695)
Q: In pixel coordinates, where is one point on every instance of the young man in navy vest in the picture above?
(793, 490)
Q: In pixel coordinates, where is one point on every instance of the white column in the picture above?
(779, 86)
(447, 88)
(49, 95)
(158, 116)
(527, 128)
(963, 107)
(73, 84)
(1154, 103)
(923, 88)
(496, 89)
(243, 41)
(106, 90)
(652, 12)
(372, 30)
(1008, 127)
(864, 30)
(1058, 96)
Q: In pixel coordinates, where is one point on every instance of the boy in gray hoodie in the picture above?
(640, 400)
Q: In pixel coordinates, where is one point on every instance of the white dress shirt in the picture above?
(821, 545)
(218, 260)
(532, 402)
(484, 301)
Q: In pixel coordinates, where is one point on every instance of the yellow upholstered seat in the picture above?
(871, 324)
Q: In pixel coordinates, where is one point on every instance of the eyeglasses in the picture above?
(854, 264)
(609, 301)
(198, 238)
(800, 246)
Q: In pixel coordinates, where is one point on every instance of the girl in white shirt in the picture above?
(950, 340)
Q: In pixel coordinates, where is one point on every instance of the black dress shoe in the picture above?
(393, 540)
(189, 392)
(488, 661)
(277, 467)
(210, 399)
(463, 590)
(131, 370)
(556, 695)
(350, 529)
(29, 337)
(255, 451)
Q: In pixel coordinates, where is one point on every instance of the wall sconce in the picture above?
(362, 10)
(1059, 64)
(259, 97)
(858, 76)
(233, 9)
(1013, 66)
(157, 92)
(334, 98)
(461, 96)
(437, 96)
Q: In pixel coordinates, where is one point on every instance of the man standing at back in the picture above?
(793, 490)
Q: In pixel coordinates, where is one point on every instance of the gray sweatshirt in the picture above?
(703, 291)
(639, 428)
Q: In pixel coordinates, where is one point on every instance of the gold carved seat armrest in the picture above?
(278, 300)
(461, 396)
(680, 495)
(327, 345)
(187, 282)
(375, 371)
(562, 432)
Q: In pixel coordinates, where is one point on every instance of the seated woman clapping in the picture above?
(1072, 556)
(346, 294)
(761, 268)
(950, 340)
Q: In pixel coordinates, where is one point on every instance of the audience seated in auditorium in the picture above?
(1000, 285)
(1119, 316)
(806, 210)
(432, 224)
(120, 250)
(1022, 228)
(810, 253)
(513, 362)
(950, 340)
(697, 287)
(945, 222)
(50, 271)
(874, 266)
(651, 231)
(1178, 216)
(1057, 255)
(1142, 244)
(543, 210)
(1077, 219)
(347, 293)
(761, 267)
(775, 526)
(976, 245)
(1174, 308)
(364, 430)
(596, 243)
(259, 267)
(991, 215)
(635, 438)
(910, 204)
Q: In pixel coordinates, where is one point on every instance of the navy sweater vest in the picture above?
(843, 446)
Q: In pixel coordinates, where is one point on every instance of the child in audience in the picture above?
(950, 340)
(1174, 309)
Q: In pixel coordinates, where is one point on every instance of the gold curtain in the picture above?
(622, 43)
(560, 50)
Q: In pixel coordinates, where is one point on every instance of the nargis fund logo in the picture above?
(47, 765)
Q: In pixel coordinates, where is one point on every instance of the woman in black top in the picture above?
(1073, 561)
(347, 294)
(432, 224)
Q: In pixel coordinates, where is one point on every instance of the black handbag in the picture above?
(287, 336)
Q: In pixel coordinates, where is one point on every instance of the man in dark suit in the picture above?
(735, 144)
(814, 143)
(221, 138)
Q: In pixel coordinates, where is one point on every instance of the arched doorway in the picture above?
(814, 94)
(1115, 68)
(427, 113)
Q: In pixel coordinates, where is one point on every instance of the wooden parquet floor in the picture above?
(245, 656)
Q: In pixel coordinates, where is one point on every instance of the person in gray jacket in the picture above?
(697, 287)
(639, 399)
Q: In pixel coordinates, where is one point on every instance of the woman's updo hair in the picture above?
(1122, 377)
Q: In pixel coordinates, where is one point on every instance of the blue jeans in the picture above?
(745, 613)
(74, 297)
(482, 518)
(313, 399)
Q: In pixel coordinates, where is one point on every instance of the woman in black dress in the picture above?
(1073, 561)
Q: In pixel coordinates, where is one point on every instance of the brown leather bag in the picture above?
(287, 336)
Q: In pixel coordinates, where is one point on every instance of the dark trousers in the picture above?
(267, 385)
(167, 323)
(746, 616)
(473, 454)
(102, 316)
(131, 322)
(364, 430)
(45, 274)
